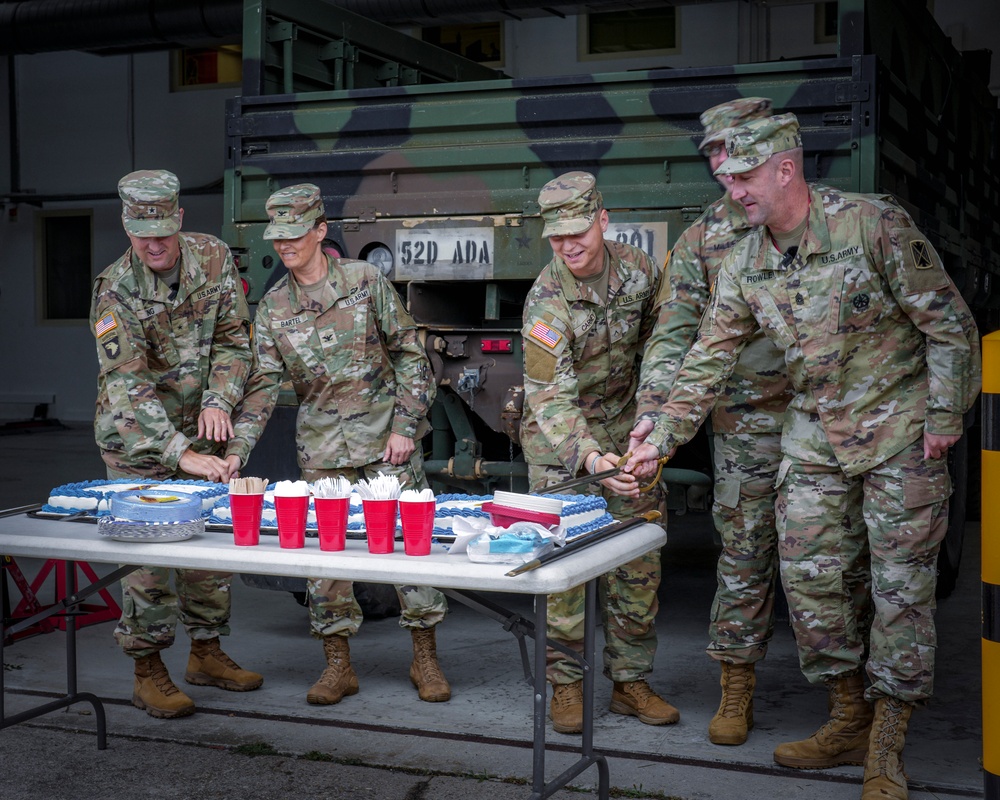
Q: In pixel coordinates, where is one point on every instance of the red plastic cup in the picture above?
(418, 525)
(246, 510)
(291, 513)
(380, 524)
(331, 519)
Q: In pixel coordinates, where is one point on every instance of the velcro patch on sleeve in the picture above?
(539, 364)
(545, 335)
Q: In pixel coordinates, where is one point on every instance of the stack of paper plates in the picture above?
(528, 502)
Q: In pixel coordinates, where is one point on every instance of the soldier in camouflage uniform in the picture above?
(883, 356)
(171, 325)
(365, 388)
(586, 319)
(746, 434)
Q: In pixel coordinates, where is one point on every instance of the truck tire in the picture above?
(950, 555)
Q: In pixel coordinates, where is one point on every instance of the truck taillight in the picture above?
(246, 286)
(498, 346)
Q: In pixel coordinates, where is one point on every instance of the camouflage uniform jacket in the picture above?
(163, 361)
(754, 399)
(581, 359)
(355, 360)
(877, 338)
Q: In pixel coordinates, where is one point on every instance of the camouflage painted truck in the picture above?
(430, 168)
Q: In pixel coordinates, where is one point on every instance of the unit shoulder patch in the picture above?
(920, 254)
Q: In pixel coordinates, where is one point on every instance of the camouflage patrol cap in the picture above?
(719, 120)
(149, 203)
(753, 143)
(293, 211)
(569, 204)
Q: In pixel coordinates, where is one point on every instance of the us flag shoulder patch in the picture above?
(541, 332)
(105, 324)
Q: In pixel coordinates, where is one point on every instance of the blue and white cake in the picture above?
(580, 513)
(94, 497)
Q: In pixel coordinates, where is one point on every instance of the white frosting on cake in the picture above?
(94, 497)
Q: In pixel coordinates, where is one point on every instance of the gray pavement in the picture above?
(385, 743)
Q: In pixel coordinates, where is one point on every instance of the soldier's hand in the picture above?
(936, 445)
(234, 467)
(398, 449)
(211, 468)
(215, 425)
(642, 462)
(622, 483)
(639, 433)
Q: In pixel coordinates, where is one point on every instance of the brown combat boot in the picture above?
(734, 719)
(155, 693)
(566, 707)
(884, 777)
(208, 665)
(338, 679)
(425, 672)
(639, 700)
(843, 739)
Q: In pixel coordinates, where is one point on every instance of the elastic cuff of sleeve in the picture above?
(213, 401)
(658, 441)
(172, 453)
(945, 423)
(404, 427)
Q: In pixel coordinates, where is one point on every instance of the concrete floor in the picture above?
(384, 742)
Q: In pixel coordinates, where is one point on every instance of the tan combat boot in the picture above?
(734, 719)
(843, 739)
(639, 700)
(425, 672)
(155, 693)
(338, 679)
(566, 707)
(884, 777)
(208, 665)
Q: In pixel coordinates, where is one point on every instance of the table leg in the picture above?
(67, 604)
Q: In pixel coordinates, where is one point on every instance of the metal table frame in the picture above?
(457, 577)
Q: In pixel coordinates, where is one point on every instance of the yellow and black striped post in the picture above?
(991, 567)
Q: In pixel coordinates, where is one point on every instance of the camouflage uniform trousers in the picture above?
(333, 608)
(150, 609)
(742, 623)
(904, 501)
(627, 600)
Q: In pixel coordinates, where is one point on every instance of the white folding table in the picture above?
(22, 535)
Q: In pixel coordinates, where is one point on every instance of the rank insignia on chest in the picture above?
(542, 333)
(105, 324)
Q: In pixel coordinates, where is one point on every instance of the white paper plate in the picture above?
(543, 505)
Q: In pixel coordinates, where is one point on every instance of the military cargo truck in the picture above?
(430, 168)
